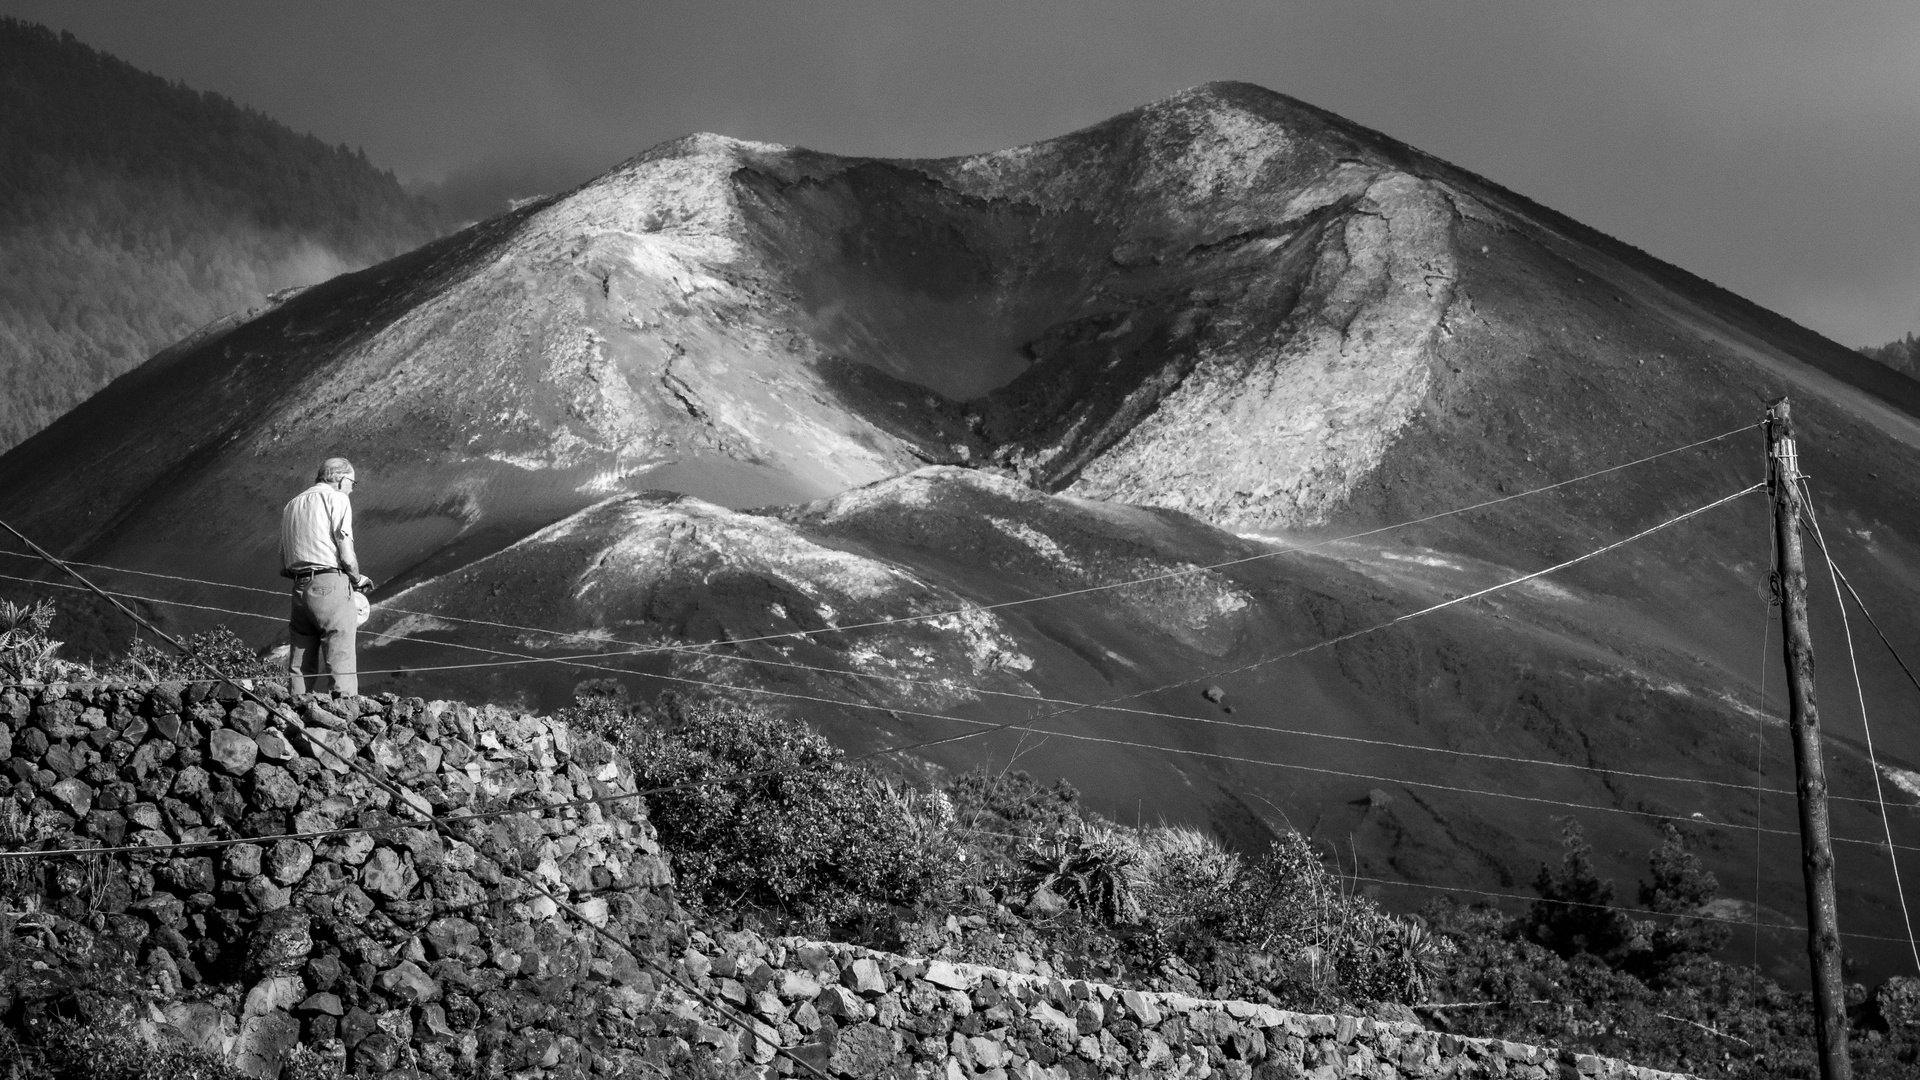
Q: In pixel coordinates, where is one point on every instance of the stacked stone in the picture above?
(396, 948)
(852, 1012)
(401, 953)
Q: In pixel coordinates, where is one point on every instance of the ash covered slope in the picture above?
(1439, 752)
(1227, 303)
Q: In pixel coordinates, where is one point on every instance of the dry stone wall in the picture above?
(398, 954)
(383, 949)
(851, 1012)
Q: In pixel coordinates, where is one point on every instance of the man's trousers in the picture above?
(320, 634)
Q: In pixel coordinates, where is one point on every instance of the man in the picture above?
(316, 551)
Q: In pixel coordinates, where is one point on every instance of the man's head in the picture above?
(337, 471)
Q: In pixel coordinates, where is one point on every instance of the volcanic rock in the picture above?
(75, 795)
(233, 752)
(289, 861)
(387, 875)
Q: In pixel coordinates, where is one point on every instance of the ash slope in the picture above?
(893, 615)
(1227, 304)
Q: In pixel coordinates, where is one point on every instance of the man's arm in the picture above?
(343, 542)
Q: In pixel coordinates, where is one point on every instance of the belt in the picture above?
(310, 573)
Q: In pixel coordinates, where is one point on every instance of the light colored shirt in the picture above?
(316, 529)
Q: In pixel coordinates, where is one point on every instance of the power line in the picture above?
(1145, 713)
(1860, 690)
(419, 806)
(1039, 699)
(987, 727)
(401, 795)
(1169, 575)
(1351, 635)
(1604, 907)
(41, 582)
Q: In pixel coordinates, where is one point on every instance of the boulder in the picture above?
(239, 861)
(324, 1003)
(454, 938)
(264, 896)
(325, 972)
(1141, 1010)
(289, 861)
(356, 1025)
(387, 875)
(200, 1025)
(407, 982)
(280, 942)
(188, 876)
(376, 1055)
(942, 974)
(863, 1051)
(275, 992)
(74, 795)
(838, 1001)
(273, 788)
(863, 977)
(797, 986)
(273, 746)
(333, 749)
(263, 1044)
(233, 752)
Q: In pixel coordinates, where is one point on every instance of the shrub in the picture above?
(1192, 882)
(1680, 887)
(1096, 870)
(27, 651)
(1574, 913)
(1382, 957)
(1014, 804)
(107, 1049)
(763, 812)
(219, 647)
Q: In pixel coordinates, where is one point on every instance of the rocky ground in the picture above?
(397, 950)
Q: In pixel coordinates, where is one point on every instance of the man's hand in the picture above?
(363, 583)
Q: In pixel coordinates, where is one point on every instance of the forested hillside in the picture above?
(1902, 355)
(133, 210)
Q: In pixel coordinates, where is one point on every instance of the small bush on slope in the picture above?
(769, 823)
(764, 814)
(1170, 906)
(219, 646)
(27, 648)
(108, 1051)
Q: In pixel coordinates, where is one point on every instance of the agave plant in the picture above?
(26, 653)
(1394, 959)
(1095, 870)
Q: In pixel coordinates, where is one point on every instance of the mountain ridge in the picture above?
(135, 209)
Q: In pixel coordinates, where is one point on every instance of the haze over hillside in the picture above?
(1199, 334)
(134, 210)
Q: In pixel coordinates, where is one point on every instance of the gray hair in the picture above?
(334, 468)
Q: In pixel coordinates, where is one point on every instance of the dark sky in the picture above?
(1770, 145)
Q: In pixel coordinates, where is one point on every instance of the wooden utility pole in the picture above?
(1816, 844)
